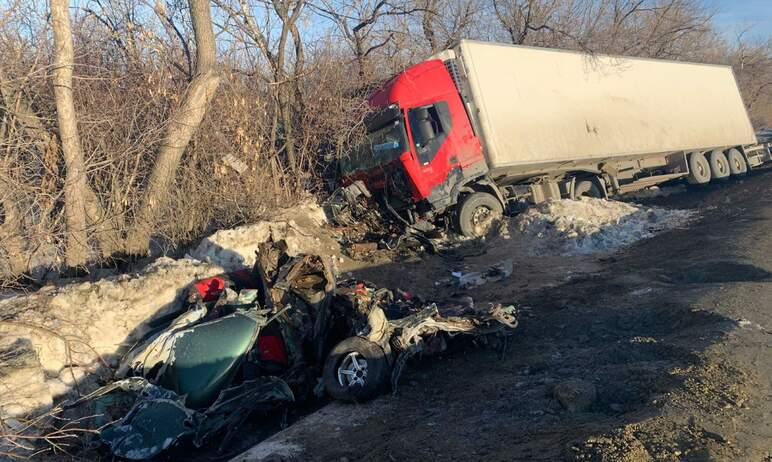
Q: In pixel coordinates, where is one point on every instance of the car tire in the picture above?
(737, 164)
(699, 169)
(719, 166)
(471, 213)
(371, 366)
(587, 188)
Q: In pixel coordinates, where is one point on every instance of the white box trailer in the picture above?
(537, 108)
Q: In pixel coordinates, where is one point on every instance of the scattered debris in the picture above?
(235, 163)
(495, 273)
(362, 248)
(347, 205)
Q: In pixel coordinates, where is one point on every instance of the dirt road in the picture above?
(663, 349)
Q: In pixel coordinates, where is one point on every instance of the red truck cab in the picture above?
(421, 146)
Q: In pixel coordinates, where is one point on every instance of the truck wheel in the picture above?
(356, 370)
(699, 169)
(587, 188)
(719, 166)
(737, 165)
(477, 213)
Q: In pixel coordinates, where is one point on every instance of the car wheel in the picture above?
(356, 370)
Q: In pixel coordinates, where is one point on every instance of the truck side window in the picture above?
(430, 126)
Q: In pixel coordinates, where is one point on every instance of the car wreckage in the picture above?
(261, 339)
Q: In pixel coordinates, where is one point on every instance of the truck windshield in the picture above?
(381, 146)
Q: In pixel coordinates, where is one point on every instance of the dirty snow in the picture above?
(655, 191)
(299, 228)
(586, 226)
(59, 338)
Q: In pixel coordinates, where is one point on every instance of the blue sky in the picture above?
(733, 16)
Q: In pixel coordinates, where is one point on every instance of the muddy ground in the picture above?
(674, 334)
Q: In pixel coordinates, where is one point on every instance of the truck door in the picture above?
(430, 126)
(443, 147)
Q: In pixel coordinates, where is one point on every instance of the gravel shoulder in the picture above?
(664, 348)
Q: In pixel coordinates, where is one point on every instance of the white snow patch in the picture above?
(586, 226)
(300, 228)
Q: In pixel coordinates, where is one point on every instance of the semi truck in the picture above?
(482, 127)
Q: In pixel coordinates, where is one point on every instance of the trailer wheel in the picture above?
(699, 169)
(587, 188)
(477, 213)
(719, 166)
(737, 164)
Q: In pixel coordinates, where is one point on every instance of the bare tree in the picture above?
(445, 22)
(285, 73)
(75, 181)
(752, 63)
(182, 126)
(360, 22)
(672, 29)
(521, 17)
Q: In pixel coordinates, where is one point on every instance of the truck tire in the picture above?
(587, 188)
(737, 164)
(356, 370)
(699, 169)
(719, 166)
(477, 212)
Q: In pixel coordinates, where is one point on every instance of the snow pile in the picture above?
(300, 228)
(64, 334)
(576, 227)
(54, 342)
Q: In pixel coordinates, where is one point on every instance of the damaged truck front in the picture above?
(259, 340)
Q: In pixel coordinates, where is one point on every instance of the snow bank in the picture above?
(64, 334)
(571, 227)
(299, 228)
(54, 341)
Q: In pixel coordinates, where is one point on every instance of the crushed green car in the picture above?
(262, 339)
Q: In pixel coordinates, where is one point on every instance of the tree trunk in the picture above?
(13, 245)
(75, 176)
(106, 229)
(182, 126)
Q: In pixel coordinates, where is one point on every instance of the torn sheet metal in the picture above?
(157, 418)
(405, 326)
(413, 334)
(495, 273)
(205, 358)
(150, 427)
